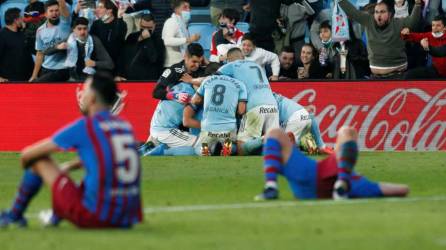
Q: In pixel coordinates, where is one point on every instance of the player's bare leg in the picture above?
(48, 170)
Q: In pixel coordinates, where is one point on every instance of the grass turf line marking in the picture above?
(270, 204)
(276, 204)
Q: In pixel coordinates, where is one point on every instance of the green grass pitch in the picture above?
(206, 203)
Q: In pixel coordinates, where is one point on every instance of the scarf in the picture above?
(71, 60)
(183, 30)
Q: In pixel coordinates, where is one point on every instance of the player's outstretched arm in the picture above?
(37, 151)
(241, 108)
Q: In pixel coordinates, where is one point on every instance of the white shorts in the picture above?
(257, 122)
(297, 123)
(174, 138)
(213, 138)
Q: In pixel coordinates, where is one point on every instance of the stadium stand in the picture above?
(205, 30)
(243, 27)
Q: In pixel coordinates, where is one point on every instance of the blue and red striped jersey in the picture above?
(107, 149)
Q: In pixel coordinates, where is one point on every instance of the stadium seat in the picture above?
(243, 27)
(200, 15)
(8, 5)
(205, 30)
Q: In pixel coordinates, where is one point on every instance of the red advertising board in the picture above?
(389, 116)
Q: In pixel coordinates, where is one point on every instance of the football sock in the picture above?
(347, 156)
(316, 132)
(29, 186)
(272, 160)
(252, 145)
(175, 151)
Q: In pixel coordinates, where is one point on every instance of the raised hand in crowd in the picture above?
(193, 38)
(425, 44)
(405, 31)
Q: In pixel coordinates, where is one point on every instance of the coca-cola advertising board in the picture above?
(395, 115)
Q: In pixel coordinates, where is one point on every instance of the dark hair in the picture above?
(325, 25)
(233, 51)
(194, 49)
(440, 18)
(390, 4)
(11, 15)
(50, 3)
(248, 36)
(110, 5)
(231, 14)
(80, 21)
(287, 49)
(177, 3)
(105, 86)
(148, 17)
(312, 48)
(211, 68)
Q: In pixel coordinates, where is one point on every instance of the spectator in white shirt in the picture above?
(253, 53)
(176, 34)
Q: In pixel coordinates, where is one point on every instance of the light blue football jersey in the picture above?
(255, 79)
(169, 113)
(48, 37)
(286, 107)
(221, 97)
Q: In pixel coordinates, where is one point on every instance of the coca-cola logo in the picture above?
(400, 119)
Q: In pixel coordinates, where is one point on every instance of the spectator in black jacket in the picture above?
(110, 29)
(288, 69)
(144, 52)
(310, 67)
(16, 63)
(264, 14)
(34, 17)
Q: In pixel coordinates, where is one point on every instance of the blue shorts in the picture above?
(301, 174)
(361, 187)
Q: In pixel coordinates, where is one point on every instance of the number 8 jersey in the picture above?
(107, 149)
(221, 97)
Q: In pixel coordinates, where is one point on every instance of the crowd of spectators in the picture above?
(65, 40)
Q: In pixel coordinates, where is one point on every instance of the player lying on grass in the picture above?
(109, 195)
(333, 177)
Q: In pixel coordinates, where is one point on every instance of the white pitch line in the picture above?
(276, 204)
(272, 204)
